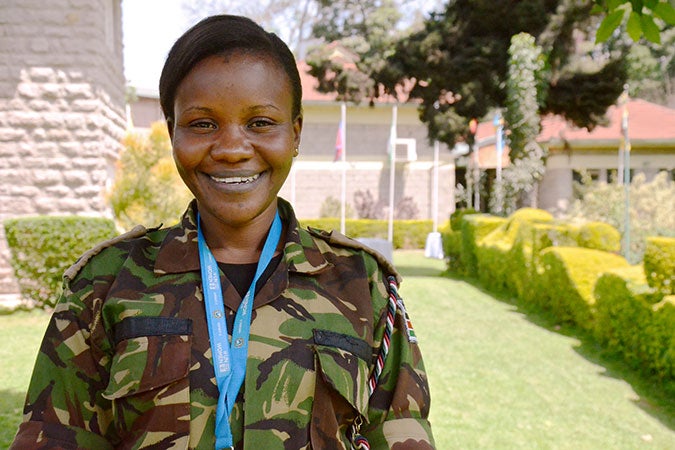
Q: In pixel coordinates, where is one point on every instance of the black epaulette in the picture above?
(336, 238)
(72, 271)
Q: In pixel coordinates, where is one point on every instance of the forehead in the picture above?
(240, 76)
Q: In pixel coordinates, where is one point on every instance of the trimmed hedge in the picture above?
(573, 271)
(525, 255)
(451, 235)
(636, 322)
(43, 247)
(659, 262)
(474, 228)
(569, 275)
(409, 234)
(599, 236)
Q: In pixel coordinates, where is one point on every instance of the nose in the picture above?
(231, 145)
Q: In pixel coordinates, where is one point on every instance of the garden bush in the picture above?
(636, 321)
(147, 188)
(474, 228)
(43, 247)
(652, 209)
(505, 255)
(409, 234)
(457, 216)
(525, 255)
(599, 236)
(451, 235)
(569, 275)
(659, 264)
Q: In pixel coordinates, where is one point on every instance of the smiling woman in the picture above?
(234, 139)
(235, 328)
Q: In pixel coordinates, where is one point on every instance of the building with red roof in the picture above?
(651, 133)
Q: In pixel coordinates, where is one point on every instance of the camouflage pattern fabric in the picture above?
(126, 362)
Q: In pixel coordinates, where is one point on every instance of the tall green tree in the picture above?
(642, 17)
(357, 37)
(458, 63)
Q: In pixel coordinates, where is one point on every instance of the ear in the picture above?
(297, 130)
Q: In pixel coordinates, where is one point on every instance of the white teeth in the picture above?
(236, 180)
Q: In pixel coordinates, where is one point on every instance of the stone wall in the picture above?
(61, 109)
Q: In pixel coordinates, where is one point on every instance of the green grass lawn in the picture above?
(498, 379)
(20, 337)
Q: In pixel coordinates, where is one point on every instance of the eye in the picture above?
(203, 125)
(260, 122)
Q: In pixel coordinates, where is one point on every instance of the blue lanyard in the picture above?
(229, 361)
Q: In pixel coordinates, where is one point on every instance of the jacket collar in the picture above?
(179, 251)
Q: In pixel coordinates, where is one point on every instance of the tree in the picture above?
(652, 210)
(147, 188)
(291, 20)
(643, 16)
(651, 68)
(523, 85)
(458, 63)
(357, 38)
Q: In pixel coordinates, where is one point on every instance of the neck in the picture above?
(236, 244)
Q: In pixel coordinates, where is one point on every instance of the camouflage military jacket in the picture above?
(126, 362)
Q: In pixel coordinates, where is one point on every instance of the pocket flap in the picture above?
(346, 372)
(142, 363)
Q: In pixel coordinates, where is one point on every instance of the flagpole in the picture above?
(434, 196)
(343, 163)
(392, 171)
(626, 176)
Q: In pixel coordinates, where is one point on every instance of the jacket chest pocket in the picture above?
(149, 384)
(341, 393)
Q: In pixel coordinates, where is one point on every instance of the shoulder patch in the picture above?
(337, 238)
(72, 271)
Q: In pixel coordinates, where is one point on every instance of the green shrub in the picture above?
(635, 321)
(452, 249)
(474, 228)
(451, 235)
(659, 263)
(525, 255)
(599, 236)
(505, 255)
(457, 216)
(569, 275)
(409, 234)
(492, 263)
(147, 188)
(652, 209)
(43, 247)
(331, 207)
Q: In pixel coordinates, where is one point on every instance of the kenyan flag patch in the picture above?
(410, 331)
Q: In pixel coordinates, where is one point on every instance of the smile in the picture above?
(236, 180)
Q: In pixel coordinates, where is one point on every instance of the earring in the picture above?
(296, 152)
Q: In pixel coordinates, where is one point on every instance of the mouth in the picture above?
(235, 180)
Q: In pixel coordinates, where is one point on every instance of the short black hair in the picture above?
(219, 35)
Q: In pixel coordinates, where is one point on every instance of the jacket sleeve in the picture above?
(399, 405)
(64, 405)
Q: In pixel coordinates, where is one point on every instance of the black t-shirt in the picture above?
(241, 275)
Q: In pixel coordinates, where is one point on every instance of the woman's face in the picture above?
(234, 136)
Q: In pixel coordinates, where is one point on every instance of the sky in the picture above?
(150, 27)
